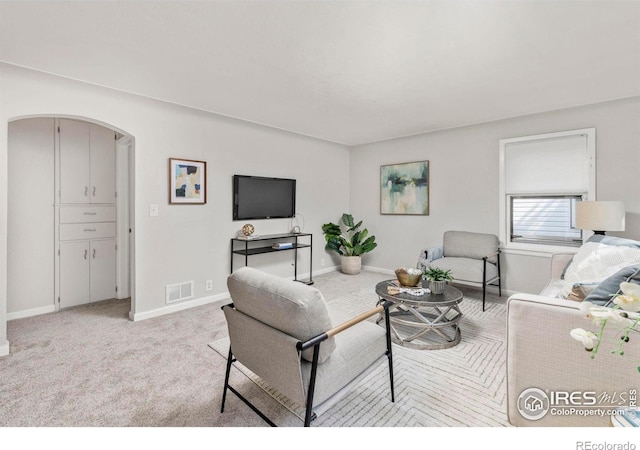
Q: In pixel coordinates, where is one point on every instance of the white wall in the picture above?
(464, 182)
(30, 243)
(185, 242)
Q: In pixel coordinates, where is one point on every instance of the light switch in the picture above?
(153, 210)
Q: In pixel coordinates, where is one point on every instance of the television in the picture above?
(263, 198)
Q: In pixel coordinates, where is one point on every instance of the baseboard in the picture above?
(379, 270)
(4, 349)
(175, 307)
(321, 271)
(31, 312)
(507, 293)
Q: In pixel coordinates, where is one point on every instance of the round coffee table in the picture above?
(431, 316)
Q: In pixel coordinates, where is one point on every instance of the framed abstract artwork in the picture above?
(404, 188)
(187, 182)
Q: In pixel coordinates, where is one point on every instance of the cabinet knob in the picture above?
(89, 214)
(94, 253)
(86, 190)
(89, 229)
(86, 252)
(94, 191)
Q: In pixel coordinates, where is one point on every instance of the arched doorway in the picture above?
(45, 225)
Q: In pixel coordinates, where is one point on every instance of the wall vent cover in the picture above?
(179, 292)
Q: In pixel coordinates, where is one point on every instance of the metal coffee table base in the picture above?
(410, 323)
(424, 322)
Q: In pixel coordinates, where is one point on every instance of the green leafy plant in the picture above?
(436, 274)
(352, 241)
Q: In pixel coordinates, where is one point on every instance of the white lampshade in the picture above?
(600, 216)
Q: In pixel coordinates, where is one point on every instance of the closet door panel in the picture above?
(74, 273)
(103, 165)
(103, 270)
(74, 162)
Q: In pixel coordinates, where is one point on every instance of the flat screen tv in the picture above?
(263, 198)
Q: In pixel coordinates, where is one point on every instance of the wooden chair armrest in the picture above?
(491, 255)
(343, 326)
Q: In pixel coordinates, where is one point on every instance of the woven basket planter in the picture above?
(351, 265)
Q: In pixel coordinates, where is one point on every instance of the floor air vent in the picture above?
(179, 292)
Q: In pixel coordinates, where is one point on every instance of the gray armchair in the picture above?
(472, 258)
(285, 333)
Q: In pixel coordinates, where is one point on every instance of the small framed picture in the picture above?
(187, 182)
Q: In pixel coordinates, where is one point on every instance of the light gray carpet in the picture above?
(91, 366)
(460, 386)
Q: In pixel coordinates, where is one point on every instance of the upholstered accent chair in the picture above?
(287, 334)
(472, 258)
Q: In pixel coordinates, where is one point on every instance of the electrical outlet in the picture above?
(208, 285)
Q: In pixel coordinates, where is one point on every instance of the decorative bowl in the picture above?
(408, 277)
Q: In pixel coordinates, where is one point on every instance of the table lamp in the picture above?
(600, 216)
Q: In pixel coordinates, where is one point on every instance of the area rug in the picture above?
(461, 386)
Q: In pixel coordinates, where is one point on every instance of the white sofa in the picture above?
(542, 355)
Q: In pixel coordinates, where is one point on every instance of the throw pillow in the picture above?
(596, 261)
(601, 295)
(580, 291)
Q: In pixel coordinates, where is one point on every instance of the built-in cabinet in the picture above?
(64, 218)
(86, 213)
(87, 271)
(87, 163)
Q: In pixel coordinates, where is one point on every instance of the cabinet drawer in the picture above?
(75, 231)
(84, 214)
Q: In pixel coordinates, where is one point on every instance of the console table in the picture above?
(263, 244)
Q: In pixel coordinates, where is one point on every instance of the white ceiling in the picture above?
(350, 72)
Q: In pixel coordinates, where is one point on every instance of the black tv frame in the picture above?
(236, 179)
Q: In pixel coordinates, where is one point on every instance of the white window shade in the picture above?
(547, 165)
(542, 177)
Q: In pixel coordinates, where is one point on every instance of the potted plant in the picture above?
(437, 279)
(350, 244)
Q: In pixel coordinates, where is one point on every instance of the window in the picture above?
(545, 220)
(541, 179)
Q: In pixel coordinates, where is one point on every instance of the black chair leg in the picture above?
(484, 293)
(231, 360)
(226, 379)
(484, 280)
(499, 277)
(309, 416)
(389, 354)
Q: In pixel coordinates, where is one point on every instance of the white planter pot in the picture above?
(351, 265)
(437, 287)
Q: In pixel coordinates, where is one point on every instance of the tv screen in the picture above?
(263, 198)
